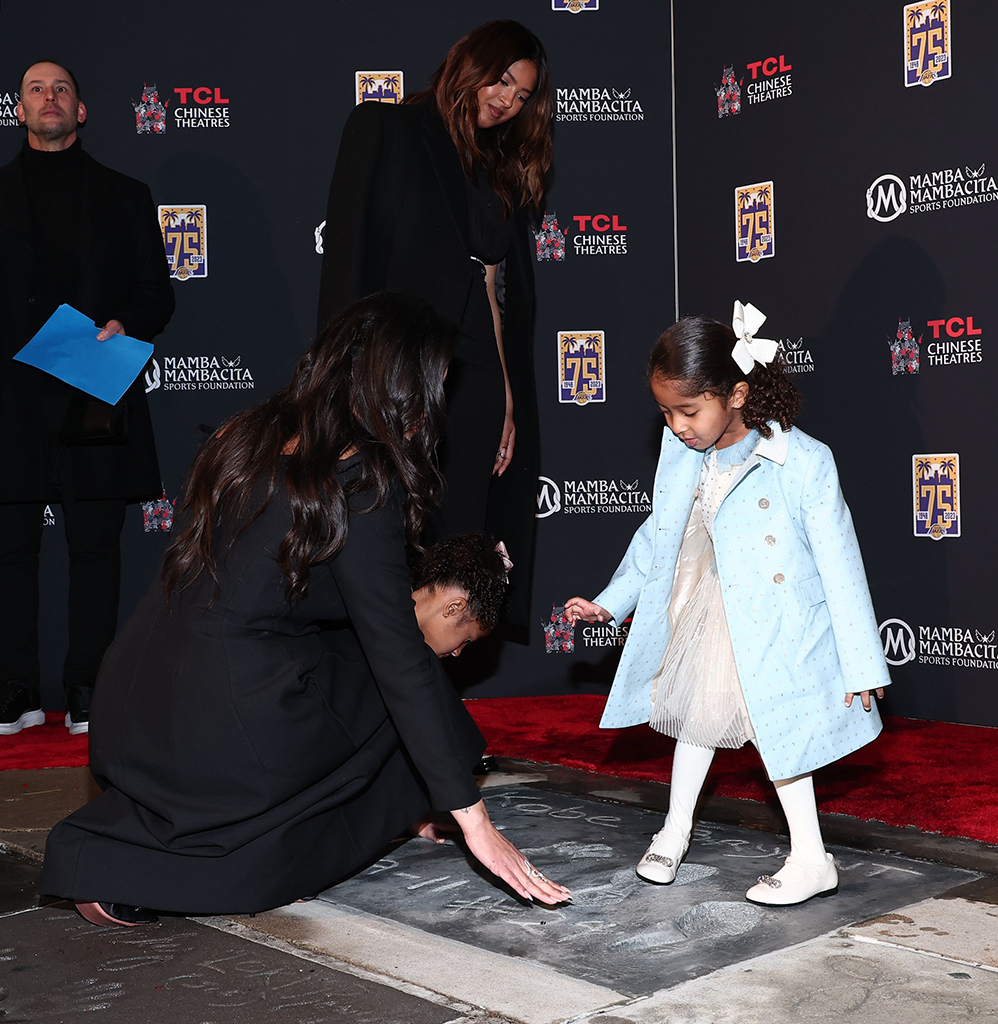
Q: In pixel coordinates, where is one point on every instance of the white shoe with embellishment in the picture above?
(796, 882)
(662, 858)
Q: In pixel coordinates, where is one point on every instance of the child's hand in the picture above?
(865, 698)
(579, 608)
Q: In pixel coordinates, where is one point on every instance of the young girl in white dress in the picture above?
(752, 615)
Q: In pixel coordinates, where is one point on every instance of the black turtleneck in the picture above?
(53, 182)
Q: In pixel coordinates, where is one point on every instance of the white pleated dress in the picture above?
(696, 696)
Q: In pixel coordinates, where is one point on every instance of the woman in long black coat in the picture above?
(271, 717)
(429, 198)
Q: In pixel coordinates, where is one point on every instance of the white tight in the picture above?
(797, 800)
(689, 771)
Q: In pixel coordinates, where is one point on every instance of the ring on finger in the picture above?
(532, 872)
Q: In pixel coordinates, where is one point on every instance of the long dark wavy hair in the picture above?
(695, 353)
(373, 383)
(516, 155)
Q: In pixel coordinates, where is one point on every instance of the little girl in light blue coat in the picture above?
(752, 615)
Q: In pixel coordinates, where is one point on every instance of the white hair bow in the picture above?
(507, 563)
(749, 350)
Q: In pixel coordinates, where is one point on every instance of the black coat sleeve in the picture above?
(354, 258)
(147, 308)
(435, 727)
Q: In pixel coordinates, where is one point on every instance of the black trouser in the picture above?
(93, 531)
(472, 432)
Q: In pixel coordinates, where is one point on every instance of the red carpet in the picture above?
(44, 746)
(936, 776)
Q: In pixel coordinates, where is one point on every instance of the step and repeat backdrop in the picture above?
(837, 169)
(833, 167)
(232, 114)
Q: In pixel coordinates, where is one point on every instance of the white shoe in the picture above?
(662, 858)
(76, 728)
(25, 721)
(795, 882)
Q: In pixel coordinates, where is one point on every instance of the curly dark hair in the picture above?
(371, 383)
(470, 562)
(695, 352)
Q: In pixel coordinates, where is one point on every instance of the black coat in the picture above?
(251, 753)
(397, 220)
(125, 277)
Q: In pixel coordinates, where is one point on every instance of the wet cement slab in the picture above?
(507, 987)
(56, 967)
(836, 828)
(621, 933)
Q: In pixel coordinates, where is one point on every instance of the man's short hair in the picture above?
(58, 63)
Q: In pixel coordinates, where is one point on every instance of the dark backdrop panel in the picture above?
(840, 281)
(835, 290)
(287, 82)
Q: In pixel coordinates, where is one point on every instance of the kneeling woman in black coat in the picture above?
(271, 717)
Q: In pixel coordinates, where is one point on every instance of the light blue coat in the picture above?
(798, 607)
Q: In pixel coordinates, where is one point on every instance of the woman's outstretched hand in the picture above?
(579, 608)
(495, 852)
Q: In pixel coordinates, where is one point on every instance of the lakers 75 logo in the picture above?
(575, 6)
(381, 86)
(185, 238)
(936, 483)
(754, 230)
(581, 367)
(928, 55)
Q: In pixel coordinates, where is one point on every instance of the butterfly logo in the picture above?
(985, 639)
(621, 95)
(233, 363)
(971, 173)
(153, 376)
(624, 486)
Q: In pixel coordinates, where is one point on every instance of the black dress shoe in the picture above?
(78, 708)
(20, 707)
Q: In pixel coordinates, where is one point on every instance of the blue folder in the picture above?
(67, 347)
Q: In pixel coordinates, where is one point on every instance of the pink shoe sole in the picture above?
(95, 914)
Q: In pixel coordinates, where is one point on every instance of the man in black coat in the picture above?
(73, 231)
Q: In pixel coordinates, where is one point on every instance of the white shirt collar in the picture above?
(774, 448)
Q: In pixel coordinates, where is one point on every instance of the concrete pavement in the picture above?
(422, 937)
